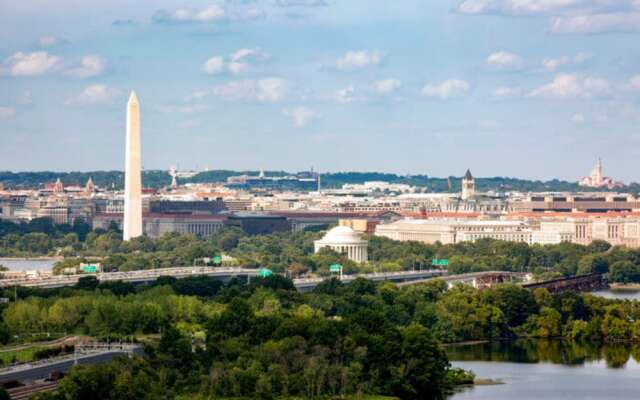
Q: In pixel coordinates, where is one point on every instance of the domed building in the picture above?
(344, 240)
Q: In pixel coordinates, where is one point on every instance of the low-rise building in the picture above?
(155, 225)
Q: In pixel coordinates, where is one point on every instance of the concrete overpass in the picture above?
(223, 273)
(84, 354)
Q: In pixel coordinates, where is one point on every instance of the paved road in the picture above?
(31, 372)
(222, 273)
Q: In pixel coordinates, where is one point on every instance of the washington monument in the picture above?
(132, 226)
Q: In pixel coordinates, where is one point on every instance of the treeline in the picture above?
(266, 340)
(158, 179)
(263, 340)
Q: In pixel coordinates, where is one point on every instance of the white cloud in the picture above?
(634, 83)
(386, 85)
(96, 94)
(214, 12)
(568, 16)
(238, 63)
(358, 59)
(263, 90)
(29, 64)
(48, 41)
(504, 60)
(300, 116)
(507, 91)
(597, 23)
(346, 95)
(516, 7)
(211, 14)
(571, 86)
(448, 89)
(552, 64)
(301, 3)
(214, 65)
(89, 66)
(578, 118)
(7, 112)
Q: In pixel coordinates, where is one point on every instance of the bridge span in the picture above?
(223, 273)
(478, 280)
(580, 283)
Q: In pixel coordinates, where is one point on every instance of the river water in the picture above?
(550, 370)
(23, 264)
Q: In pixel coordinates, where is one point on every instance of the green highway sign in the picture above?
(88, 268)
(216, 259)
(264, 272)
(335, 268)
(439, 262)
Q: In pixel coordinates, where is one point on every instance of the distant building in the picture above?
(155, 225)
(344, 240)
(468, 186)
(360, 225)
(304, 181)
(576, 202)
(597, 179)
(258, 223)
(451, 231)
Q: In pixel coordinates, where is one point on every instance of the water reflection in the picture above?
(566, 352)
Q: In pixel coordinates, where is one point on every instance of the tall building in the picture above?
(596, 179)
(468, 186)
(133, 175)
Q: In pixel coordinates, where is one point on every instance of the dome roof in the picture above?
(341, 234)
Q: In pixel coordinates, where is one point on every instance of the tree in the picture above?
(516, 303)
(593, 263)
(549, 324)
(421, 369)
(624, 272)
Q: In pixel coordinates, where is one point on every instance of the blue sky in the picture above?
(527, 88)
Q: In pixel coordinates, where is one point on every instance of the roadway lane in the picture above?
(27, 372)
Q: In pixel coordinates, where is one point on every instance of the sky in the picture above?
(534, 89)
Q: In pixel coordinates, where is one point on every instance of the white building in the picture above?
(344, 240)
(449, 231)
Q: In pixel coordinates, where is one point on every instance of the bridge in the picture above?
(580, 283)
(478, 280)
(222, 273)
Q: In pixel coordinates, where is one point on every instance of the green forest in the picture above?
(264, 340)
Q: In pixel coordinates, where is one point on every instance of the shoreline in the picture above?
(624, 287)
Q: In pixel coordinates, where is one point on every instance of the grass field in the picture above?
(22, 355)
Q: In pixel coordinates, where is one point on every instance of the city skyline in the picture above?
(531, 89)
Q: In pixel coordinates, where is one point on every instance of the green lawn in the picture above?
(23, 355)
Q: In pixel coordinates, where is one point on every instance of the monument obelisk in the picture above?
(132, 225)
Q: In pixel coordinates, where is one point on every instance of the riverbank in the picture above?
(624, 287)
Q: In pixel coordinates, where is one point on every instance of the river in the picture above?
(618, 294)
(28, 264)
(550, 370)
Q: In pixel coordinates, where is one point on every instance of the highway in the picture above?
(224, 273)
(42, 369)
